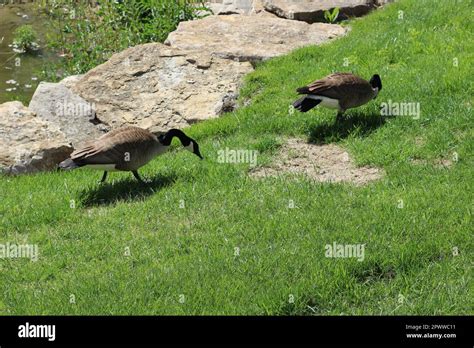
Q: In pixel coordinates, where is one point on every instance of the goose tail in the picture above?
(68, 164)
(305, 104)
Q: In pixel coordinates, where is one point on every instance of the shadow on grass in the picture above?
(354, 124)
(125, 190)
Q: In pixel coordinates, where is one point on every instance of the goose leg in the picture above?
(103, 177)
(340, 116)
(135, 174)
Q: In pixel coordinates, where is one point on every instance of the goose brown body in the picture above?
(127, 148)
(339, 91)
(350, 90)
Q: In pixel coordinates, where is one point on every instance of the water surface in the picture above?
(22, 71)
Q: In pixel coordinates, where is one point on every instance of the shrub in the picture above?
(24, 38)
(331, 17)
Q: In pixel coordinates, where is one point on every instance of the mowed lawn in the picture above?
(207, 238)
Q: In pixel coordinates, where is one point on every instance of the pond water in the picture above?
(20, 72)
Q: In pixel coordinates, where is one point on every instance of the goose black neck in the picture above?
(168, 137)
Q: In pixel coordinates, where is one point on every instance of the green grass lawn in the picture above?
(185, 261)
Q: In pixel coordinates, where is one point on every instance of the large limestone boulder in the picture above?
(71, 81)
(157, 87)
(226, 7)
(247, 38)
(311, 11)
(74, 116)
(28, 143)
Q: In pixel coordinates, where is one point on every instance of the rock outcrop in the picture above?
(157, 87)
(28, 143)
(312, 11)
(71, 81)
(243, 38)
(226, 7)
(55, 103)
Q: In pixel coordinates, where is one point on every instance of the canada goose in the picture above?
(126, 149)
(339, 91)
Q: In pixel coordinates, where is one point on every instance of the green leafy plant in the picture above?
(24, 38)
(331, 16)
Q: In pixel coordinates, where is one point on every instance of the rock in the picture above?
(71, 81)
(226, 7)
(383, 2)
(55, 103)
(312, 11)
(243, 38)
(28, 143)
(157, 87)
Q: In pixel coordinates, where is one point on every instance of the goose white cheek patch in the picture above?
(376, 91)
(190, 147)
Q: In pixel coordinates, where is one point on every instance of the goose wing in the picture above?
(337, 86)
(116, 147)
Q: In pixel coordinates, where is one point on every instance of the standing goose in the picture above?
(339, 91)
(126, 149)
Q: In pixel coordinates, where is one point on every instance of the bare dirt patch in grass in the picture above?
(324, 163)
